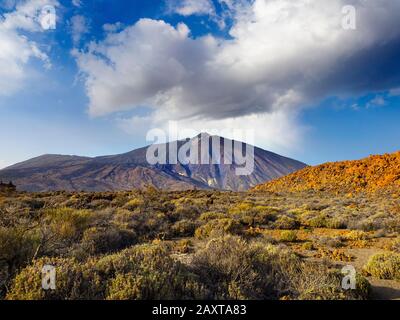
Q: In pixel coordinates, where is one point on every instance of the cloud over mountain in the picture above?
(281, 56)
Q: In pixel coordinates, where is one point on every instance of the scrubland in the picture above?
(199, 245)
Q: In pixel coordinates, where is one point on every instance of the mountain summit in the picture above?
(133, 170)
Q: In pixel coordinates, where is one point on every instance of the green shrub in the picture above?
(251, 215)
(208, 216)
(143, 272)
(148, 273)
(288, 236)
(215, 228)
(384, 266)
(74, 281)
(357, 235)
(232, 268)
(363, 288)
(68, 223)
(183, 228)
(336, 223)
(97, 240)
(318, 222)
(133, 204)
(286, 223)
(17, 248)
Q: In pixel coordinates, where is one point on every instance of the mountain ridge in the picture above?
(131, 170)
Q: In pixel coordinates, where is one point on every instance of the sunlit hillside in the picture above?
(376, 173)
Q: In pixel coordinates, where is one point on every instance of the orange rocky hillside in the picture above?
(376, 173)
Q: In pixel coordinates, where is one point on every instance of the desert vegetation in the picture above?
(196, 244)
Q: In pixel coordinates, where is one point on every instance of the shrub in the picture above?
(215, 228)
(363, 287)
(395, 246)
(183, 228)
(232, 268)
(146, 225)
(251, 215)
(336, 223)
(97, 240)
(357, 235)
(308, 246)
(74, 281)
(133, 204)
(68, 223)
(288, 236)
(207, 216)
(143, 272)
(189, 212)
(182, 246)
(286, 223)
(17, 248)
(318, 222)
(148, 273)
(384, 266)
(331, 242)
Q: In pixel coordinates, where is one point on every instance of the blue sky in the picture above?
(112, 70)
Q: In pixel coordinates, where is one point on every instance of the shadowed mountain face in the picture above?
(132, 170)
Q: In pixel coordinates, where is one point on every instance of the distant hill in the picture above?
(131, 170)
(376, 173)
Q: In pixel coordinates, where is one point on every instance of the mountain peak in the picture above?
(132, 170)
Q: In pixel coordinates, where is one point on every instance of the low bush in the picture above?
(17, 248)
(357, 235)
(384, 266)
(133, 204)
(148, 273)
(208, 216)
(66, 223)
(74, 281)
(336, 223)
(143, 272)
(288, 236)
(232, 268)
(286, 223)
(98, 240)
(318, 222)
(183, 228)
(215, 228)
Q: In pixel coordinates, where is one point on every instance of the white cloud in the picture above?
(16, 49)
(191, 7)
(376, 102)
(113, 27)
(276, 131)
(283, 55)
(26, 15)
(77, 3)
(79, 26)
